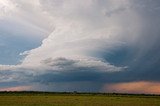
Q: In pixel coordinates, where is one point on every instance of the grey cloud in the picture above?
(115, 11)
(61, 61)
(69, 73)
(64, 64)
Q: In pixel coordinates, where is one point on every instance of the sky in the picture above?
(80, 45)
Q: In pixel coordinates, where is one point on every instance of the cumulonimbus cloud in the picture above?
(76, 38)
(84, 32)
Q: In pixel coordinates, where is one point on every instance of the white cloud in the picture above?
(81, 30)
(27, 17)
(6, 8)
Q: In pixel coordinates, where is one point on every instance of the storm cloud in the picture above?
(89, 43)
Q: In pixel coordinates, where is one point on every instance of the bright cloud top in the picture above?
(82, 31)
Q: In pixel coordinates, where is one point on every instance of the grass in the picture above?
(72, 99)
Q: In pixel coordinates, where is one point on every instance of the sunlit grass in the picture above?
(77, 100)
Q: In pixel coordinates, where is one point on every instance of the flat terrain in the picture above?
(72, 99)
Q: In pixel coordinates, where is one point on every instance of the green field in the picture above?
(72, 99)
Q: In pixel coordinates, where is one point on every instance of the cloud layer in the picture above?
(90, 42)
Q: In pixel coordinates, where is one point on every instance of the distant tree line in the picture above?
(70, 93)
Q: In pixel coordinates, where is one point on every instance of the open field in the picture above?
(76, 99)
